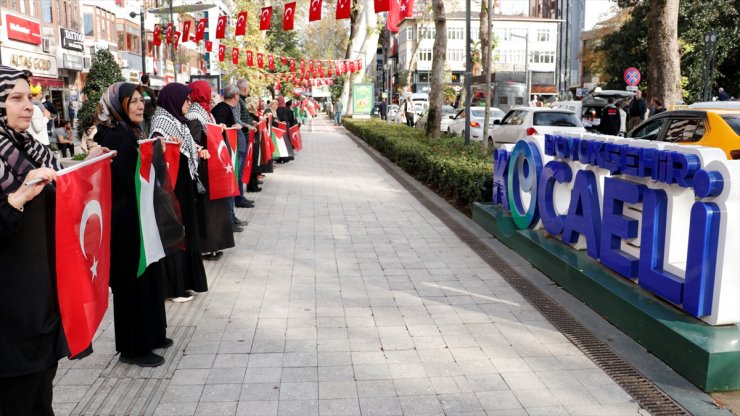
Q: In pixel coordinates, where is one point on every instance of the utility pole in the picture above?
(468, 70)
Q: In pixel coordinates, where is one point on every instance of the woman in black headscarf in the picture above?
(138, 311)
(183, 271)
(31, 336)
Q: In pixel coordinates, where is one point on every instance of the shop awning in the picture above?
(48, 82)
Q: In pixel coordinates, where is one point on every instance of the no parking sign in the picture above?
(632, 76)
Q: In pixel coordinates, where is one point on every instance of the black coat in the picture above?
(223, 114)
(286, 115)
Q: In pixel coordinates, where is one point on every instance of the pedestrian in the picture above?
(254, 182)
(150, 102)
(63, 135)
(383, 110)
(49, 105)
(656, 106)
(285, 114)
(637, 109)
(40, 118)
(70, 110)
(610, 119)
(409, 112)
(213, 214)
(329, 109)
(31, 335)
(138, 310)
(723, 95)
(338, 112)
(87, 141)
(243, 143)
(183, 272)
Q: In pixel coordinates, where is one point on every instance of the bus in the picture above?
(504, 95)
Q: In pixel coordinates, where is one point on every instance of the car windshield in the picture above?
(482, 113)
(733, 121)
(554, 118)
(448, 109)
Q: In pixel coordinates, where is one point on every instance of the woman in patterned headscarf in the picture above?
(138, 311)
(213, 215)
(183, 271)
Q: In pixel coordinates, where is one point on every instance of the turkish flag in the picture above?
(343, 9)
(260, 62)
(314, 11)
(359, 65)
(248, 162)
(186, 30)
(345, 67)
(398, 10)
(241, 24)
(157, 36)
(235, 56)
(310, 65)
(221, 28)
(221, 175)
(292, 65)
(266, 141)
(209, 46)
(328, 74)
(177, 40)
(250, 58)
(201, 30)
(288, 16)
(303, 66)
(265, 18)
(271, 62)
(382, 6)
(283, 60)
(82, 234)
(168, 34)
(221, 52)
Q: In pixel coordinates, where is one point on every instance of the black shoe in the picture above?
(213, 256)
(254, 189)
(259, 182)
(149, 359)
(249, 201)
(242, 204)
(236, 229)
(168, 342)
(240, 222)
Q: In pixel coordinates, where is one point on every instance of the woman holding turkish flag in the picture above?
(213, 215)
(183, 271)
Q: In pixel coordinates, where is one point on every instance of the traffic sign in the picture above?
(632, 76)
(632, 88)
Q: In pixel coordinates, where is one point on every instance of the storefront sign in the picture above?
(664, 216)
(72, 40)
(23, 30)
(70, 61)
(39, 64)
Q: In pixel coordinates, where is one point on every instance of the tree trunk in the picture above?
(362, 37)
(485, 47)
(664, 62)
(439, 53)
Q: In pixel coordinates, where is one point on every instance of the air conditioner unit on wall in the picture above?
(46, 44)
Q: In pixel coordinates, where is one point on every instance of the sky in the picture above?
(597, 10)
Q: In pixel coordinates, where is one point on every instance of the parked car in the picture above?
(447, 111)
(526, 121)
(589, 109)
(477, 118)
(716, 127)
(419, 107)
(392, 111)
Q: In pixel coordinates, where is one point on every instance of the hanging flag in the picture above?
(303, 66)
(266, 17)
(271, 62)
(288, 17)
(310, 65)
(221, 52)
(397, 11)
(241, 24)
(314, 12)
(247, 172)
(156, 37)
(382, 5)
(292, 65)
(235, 56)
(221, 27)
(168, 33)
(221, 175)
(343, 9)
(201, 30)
(328, 74)
(359, 65)
(177, 40)
(345, 67)
(260, 62)
(283, 60)
(209, 46)
(82, 234)
(250, 58)
(186, 30)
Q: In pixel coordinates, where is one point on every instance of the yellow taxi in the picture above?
(703, 124)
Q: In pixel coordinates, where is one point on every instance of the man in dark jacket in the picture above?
(150, 102)
(610, 119)
(52, 109)
(637, 109)
(247, 124)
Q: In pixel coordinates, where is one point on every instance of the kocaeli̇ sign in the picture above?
(23, 30)
(662, 215)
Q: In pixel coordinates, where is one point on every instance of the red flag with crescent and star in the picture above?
(343, 9)
(260, 61)
(288, 16)
(266, 150)
(209, 46)
(221, 174)
(169, 33)
(292, 65)
(157, 36)
(271, 62)
(248, 161)
(265, 18)
(314, 11)
(221, 27)
(201, 29)
(235, 56)
(176, 42)
(398, 10)
(241, 24)
(83, 224)
(221, 52)
(250, 58)
(186, 30)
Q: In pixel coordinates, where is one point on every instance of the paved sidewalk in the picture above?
(345, 296)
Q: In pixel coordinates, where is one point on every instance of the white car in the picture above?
(477, 118)
(526, 121)
(447, 111)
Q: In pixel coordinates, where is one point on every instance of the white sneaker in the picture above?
(181, 299)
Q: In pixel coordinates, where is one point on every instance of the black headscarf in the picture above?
(172, 97)
(14, 164)
(113, 104)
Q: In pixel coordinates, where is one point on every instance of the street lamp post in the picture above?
(527, 77)
(389, 67)
(468, 70)
(143, 39)
(710, 39)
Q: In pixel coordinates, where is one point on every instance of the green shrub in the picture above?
(461, 174)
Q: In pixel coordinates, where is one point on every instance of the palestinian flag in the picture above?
(278, 138)
(160, 223)
(232, 136)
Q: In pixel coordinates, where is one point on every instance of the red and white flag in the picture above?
(260, 61)
(399, 10)
(157, 36)
(176, 42)
(344, 9)
(288, 16)
(248, 161)
(271, 62)
(250, 58)
(186, 30)
(241, 24)
(221, 27)
(267, 149)
(201, 29)
(265, 18)
(172, 161)
(382, 5)
(221, 52)
(303, 66)
(169, 33)
(283, 60)
(83, 223)
(314, 11)
(292, 65)
(221, 174)
(235, 56)
(209, 46)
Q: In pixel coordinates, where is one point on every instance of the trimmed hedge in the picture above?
(461, 174)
